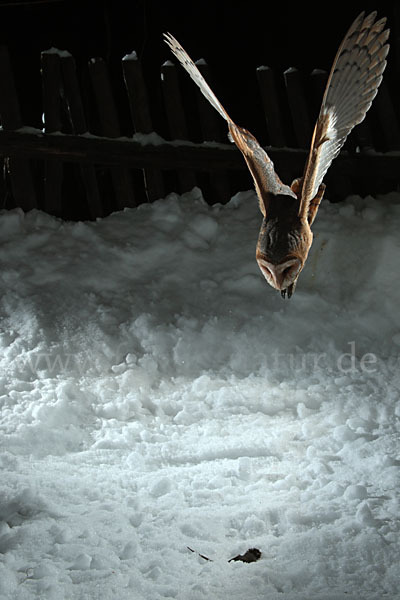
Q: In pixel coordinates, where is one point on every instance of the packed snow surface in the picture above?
(157, 395)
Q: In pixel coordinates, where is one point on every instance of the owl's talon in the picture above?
(291, 288)
(288, 291)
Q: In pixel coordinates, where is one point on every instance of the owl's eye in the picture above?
(287, 271)
(290, 270)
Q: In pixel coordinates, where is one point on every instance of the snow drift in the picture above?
(156, 394)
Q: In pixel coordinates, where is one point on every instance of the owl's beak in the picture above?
(280, 276)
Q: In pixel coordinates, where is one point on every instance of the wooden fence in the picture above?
(83, 165)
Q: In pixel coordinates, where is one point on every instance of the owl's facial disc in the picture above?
(280, 276)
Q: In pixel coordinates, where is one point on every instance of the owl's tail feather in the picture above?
(195, 74)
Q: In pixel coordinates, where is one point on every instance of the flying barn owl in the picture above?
(288, 211)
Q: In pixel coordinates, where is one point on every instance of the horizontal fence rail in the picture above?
(83, 165)
(129, 153)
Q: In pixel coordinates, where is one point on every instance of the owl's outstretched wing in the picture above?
(352, 85)
(261, 167)
(188, 64)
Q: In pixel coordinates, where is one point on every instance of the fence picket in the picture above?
(110, 128)
(272, 111)
(389, 125)
(318, 81)
(141, 118)
(298, 107)
(19, 170)
(72, 95)
(176, 118)
(77, 119)
(51, 88)
(211, 132)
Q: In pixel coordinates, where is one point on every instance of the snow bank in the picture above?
(156, 394)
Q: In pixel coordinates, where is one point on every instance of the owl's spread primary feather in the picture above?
(352, 85)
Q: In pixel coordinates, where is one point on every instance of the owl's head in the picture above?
(283, 244)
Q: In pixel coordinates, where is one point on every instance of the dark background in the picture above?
(233, 37)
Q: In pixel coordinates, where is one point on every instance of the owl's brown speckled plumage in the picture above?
(288, 211)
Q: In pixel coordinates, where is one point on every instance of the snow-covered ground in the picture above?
(156, 394)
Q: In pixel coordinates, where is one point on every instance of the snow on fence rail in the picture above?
(66, 170)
